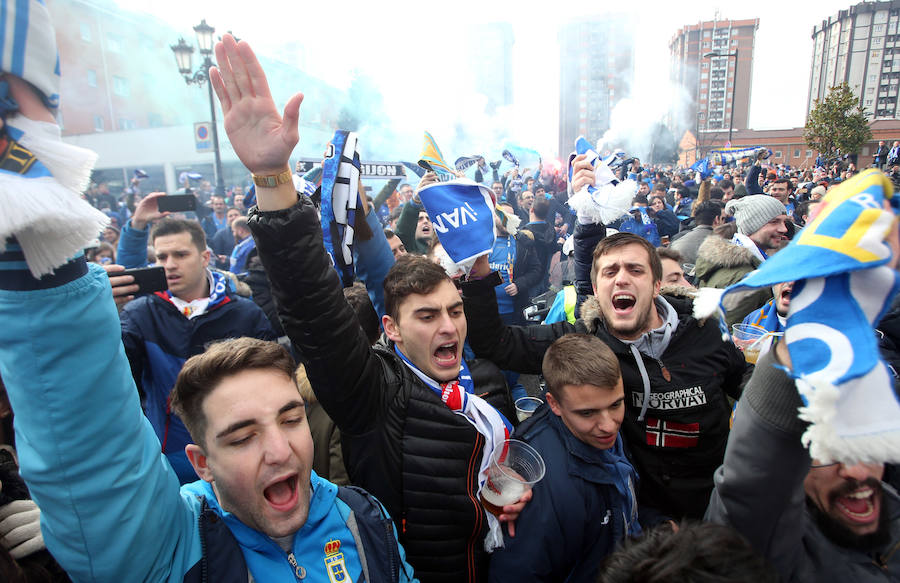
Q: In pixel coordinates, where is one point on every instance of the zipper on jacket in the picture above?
(470, 548)
(665, 372)
(299, 571)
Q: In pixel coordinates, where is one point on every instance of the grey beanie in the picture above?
(754, 211)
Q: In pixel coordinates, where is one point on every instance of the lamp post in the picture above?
(183, 53)
(733, 85)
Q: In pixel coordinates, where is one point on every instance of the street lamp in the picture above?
(183, 53)
(733, 84)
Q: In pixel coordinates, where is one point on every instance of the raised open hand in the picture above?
(261, 138)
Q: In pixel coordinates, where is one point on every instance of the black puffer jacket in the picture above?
(400, 441)
(681, 441)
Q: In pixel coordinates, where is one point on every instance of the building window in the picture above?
(808, 153)
(705, 44)
(126, 124)
(92, 77)
(778, 153)
(120, 87)
(86, 32)
(98, 123)
(797, 153)
(113, 44)
(868, 102)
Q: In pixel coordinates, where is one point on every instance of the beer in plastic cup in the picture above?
(752, 340)
(515, 468)
(526, 406)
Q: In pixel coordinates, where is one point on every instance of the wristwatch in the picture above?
(272, 180)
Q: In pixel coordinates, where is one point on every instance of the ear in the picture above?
(554, 404)
(391, 329)
(656, 287)
(198, 459)
(205, 255)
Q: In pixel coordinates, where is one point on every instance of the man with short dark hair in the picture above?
(695, 551)
(707, 215)
(880, 156)
(217, 220)
(586, 503)
(782, 189)
(415, 431)
(727, 186)
(243, 246)
(545, 241)
(162, 330)
(222, 243)
(398, 249)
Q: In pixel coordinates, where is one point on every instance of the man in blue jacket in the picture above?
(110, 502)
(162, 330)
(586, 503)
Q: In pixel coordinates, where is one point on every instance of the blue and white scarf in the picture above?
(607, 199)
(843, 287)
(340, 201)
(508, 156)
(463, 163)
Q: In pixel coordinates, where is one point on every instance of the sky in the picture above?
(415, 53)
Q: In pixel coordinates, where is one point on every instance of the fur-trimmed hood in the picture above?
(717, 253)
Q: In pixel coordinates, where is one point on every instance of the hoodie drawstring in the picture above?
(645, 378)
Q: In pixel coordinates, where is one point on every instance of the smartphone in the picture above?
(177, 203)
(148, 279)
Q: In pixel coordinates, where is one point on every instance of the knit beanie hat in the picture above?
(754, 211)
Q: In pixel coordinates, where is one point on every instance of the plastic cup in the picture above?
(526, 406)
(515, 468)
(752, 339)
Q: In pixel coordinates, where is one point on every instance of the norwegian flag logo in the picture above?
(671, 434)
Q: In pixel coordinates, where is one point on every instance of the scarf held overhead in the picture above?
(843, 286)
(340, 201)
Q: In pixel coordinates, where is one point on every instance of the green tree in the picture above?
(837, 125)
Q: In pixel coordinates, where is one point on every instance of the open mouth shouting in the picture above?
(623, 302)
(447, 355)
(861, 506)
(283, 494)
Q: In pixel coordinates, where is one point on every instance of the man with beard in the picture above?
(845, 528)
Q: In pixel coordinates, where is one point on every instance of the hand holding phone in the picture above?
(176, 203)
(147, 211)
(128, 283)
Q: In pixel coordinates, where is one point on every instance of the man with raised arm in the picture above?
(110, 502)
(415, 432)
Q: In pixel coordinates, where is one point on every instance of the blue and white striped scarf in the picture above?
(843, 286)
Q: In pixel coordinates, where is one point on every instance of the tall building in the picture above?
(719, 86)
(489, 52)
(859, 46)
(596, 71)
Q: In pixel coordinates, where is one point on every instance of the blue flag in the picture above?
(462, 215)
